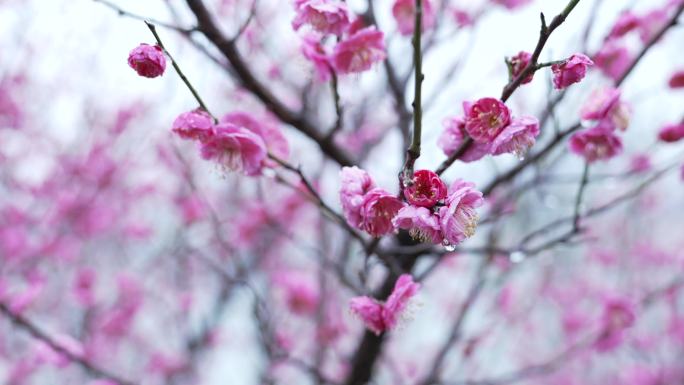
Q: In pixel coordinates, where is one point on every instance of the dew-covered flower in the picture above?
(147, 60)
(355, 184)
(377, 211)
(421, 223)
(235, 148)
(324, 16)
(458, 219)
(426, 189)
(380, 317)
(359, 51)
(196, 125)
(571, 70)
(404, 12)
(485, 119)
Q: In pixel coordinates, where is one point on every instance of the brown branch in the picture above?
(228, 47)
(39, 334)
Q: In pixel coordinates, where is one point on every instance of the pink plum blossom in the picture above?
(272, 136)
(313, 50)
(421, 223)
(404, 12)
(301, 292)
(677, 80)
(458, 217)
(604, 104)
(618, 314)
(598, 143)
(518, 63)
(380, 317)
(324, 16)
(147, 60)
(355, 184)
(452, 139)
(485, 119)
(570, 71)
(626, 22)
(511, 4)
(377, 211)
(613, 60)
(195, 125)
(671, 133)
(426, 189)
(358, 52)
(517, 138)
(235, 148)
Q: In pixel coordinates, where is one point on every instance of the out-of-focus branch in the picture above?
(228, 47)
(123, 12)
(39, 334)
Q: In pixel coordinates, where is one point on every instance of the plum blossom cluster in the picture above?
(607, 114)
(147, 60)
(336, 40)
(615, 56)
(238, 142)
(565, 72)
(432, 213)
(380, 317)
(489, 124)
(437, 215)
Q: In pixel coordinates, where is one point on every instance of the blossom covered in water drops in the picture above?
(355, 184)
(571, 70)
(597, 143)
(404, 12)
(485, 119)
(426, 189)
(421, 223)
(380, 317)
(458, 217)
(359, 51)
(147, 60)
(235, 148)
(196, 125)
(517, 138)
(377, 211)
(324, 16)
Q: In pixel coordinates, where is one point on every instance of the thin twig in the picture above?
(180, 73)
